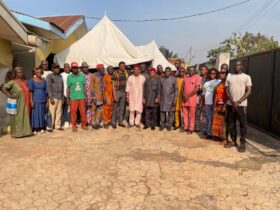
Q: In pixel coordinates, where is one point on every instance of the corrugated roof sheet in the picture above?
(63, 22)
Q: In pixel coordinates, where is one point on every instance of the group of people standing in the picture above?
(209, 101)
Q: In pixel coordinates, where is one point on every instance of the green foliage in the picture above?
(167, 53)
(239, 45)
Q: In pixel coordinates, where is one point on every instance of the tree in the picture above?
(167, 53)
(239, 45)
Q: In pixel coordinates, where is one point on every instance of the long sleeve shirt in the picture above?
(151, 92)
(168, 94)
(55, 86)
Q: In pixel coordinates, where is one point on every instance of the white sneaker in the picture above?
(66, 125)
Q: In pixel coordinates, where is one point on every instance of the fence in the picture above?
(264, 103)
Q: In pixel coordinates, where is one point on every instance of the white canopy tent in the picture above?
(152, 52)
(104, 44)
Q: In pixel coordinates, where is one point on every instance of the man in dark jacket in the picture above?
(168, 96)
(151, 99)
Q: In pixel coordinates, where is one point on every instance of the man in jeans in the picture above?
(238, 89)
(55, 91)
(119, 79)
(76, 89)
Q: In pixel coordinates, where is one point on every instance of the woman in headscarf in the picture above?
(17, 89)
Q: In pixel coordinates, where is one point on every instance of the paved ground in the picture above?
(137, 170)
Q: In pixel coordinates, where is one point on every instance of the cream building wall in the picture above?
(6, 60)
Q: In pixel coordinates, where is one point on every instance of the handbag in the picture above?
(48, 119)
(11, 106)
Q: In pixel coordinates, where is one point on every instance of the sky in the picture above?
(199, 33)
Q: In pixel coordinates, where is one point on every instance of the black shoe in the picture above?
(122, 125)
(114, 126)
(96, 127)
(242, 148)
(138, 126)
(183, 130)
(129, 126)
(161, 128)
(153, 128)
(209, 137)
(169, 129)
(230, 144)
(175, 128)
(145, 127)
(106, 126)
(190, 132)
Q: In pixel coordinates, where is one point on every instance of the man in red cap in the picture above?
(134, 90)
(76, 94)
(151, 99)
(97, 93)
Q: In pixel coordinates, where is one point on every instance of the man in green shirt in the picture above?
(76, 95)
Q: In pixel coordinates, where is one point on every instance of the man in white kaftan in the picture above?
(135, 90)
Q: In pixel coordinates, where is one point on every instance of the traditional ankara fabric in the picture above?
(219, 127)
(97, 92)
(20, 123)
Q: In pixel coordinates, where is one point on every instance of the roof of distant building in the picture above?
(63, 22)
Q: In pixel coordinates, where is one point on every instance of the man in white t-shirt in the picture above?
(238, 89)
(65, 113)
(208, 94)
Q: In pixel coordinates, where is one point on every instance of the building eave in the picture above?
(20, 32)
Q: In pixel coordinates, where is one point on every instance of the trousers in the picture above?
(166, 119)
(56, 113)
(134, 120)
(189, 117)
(209, 116)
(178, 118)
(151, 115)
(119, 107)
(75, 106)
(239, 114)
